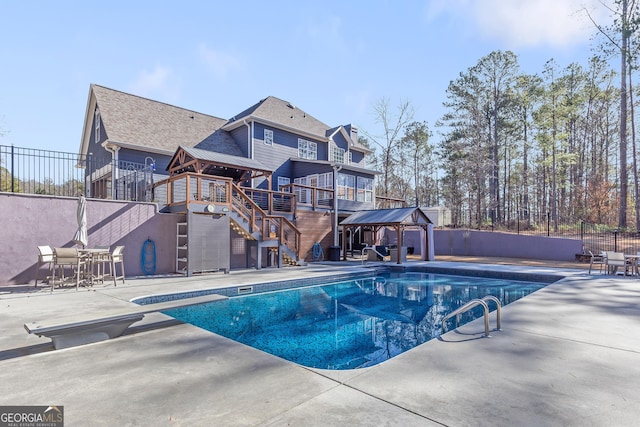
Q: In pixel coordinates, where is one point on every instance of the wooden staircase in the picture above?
(275, 232)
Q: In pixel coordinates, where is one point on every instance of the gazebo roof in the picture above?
(388, 217)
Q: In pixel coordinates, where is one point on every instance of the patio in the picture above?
(567, 355)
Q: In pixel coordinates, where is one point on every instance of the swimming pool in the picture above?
(351, 323)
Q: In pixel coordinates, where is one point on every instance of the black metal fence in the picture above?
(35, 171)
(597, 238)
(594, 237)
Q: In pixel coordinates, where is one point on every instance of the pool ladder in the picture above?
(472, 304)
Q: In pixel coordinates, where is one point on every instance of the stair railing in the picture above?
(268, 226)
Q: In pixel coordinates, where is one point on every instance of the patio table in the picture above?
(95, 257)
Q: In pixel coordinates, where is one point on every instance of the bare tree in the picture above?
(392, 125)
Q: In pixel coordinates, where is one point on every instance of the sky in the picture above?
(334, 59)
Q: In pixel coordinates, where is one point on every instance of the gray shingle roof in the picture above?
(284, 113)
(272, 109)
(136, 121)
(133, 121)
(407, 216)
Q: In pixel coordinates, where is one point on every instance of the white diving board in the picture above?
(84, 328)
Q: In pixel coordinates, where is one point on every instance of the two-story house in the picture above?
(244, 171)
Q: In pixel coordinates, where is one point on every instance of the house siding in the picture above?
(283, 148)
(99, 155)
(239, 135)
(301, 169)
(340, 141)
(358, 159)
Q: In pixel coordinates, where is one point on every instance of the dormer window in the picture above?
(96, 126)
(268, 137)
(337, 154)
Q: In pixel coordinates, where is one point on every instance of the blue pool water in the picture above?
(352, 323)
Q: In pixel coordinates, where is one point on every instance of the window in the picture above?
(268, 137)
(346, 187)
(283, 180)
(337, 154)
(325, 181)
(307, 149)
(321, 182)
(96, 126)
(365, 189)
(303, 194)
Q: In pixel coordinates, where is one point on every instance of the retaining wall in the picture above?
(29, 221)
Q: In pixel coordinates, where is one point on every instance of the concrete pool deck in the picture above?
(567, 355)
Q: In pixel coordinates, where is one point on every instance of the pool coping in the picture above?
(270, 286)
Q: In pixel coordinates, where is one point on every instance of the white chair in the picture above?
(614, 260)
(597, 260)
(116, 257)
(45, 256)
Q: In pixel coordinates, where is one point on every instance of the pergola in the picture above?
(398, 219)
(205, 162)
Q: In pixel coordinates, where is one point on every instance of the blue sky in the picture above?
(333, 59)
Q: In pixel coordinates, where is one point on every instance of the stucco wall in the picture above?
(31, 220)
(492, 244)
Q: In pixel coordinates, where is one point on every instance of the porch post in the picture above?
(400, 243)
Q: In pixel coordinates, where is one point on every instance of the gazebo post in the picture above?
(344, 241)
(400, 243)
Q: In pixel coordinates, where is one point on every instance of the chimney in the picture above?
(353, 132)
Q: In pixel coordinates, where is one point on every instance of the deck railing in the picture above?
(191, 188)
(268, 226)
(390, 203)
(311, 197)
(56, 173)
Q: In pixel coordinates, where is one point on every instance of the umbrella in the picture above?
(81, 236)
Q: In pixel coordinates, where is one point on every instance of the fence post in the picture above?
(615, 241)
(548, 223)
(12, 180)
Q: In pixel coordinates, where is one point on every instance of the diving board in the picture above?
(85, 328)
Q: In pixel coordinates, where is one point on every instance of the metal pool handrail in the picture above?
(468, 306)
(498, 307)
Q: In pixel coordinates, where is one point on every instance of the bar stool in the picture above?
(116, 257)
(45, 256)
(68, 257)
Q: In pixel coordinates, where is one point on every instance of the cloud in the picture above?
(522, 23)
(221, 63)
(159, 83)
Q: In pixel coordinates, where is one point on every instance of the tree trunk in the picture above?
(622, 217)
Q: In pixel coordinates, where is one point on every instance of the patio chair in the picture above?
(99, 261)
(116, 257)
(614, 260)
(45, 256)
(68, 257)
(597, 260)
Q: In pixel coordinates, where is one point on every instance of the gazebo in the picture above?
(397, 219)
